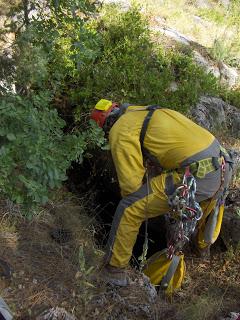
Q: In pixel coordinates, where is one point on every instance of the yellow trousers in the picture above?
(148, 202)
(131, 212)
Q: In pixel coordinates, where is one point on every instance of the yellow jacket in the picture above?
(171, 138)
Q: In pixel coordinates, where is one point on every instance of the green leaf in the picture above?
(11, 137)
(106, 147)
(44, 199)
(238, 212)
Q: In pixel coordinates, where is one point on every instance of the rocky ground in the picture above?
(54, 274)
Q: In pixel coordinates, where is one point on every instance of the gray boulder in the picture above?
(233, 119)
(230, 231)
(228, 75)
(206, 64)
(210, 113)
(215, 114)
(172, 34)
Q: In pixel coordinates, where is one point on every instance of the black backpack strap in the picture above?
(148, 117)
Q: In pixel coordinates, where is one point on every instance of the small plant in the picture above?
(82, 276)
(83, 269)
(232, 96)
(238, 212)
(219, 50)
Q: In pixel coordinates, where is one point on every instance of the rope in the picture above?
(143, 257)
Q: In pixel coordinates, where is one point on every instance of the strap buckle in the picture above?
(153, 107)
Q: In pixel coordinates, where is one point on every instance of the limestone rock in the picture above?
(173, 86)
(173, 34)
(230, 231)
(136, 301)
(56, 314)
(206, 64)
(232, 316)
(233, 119)
(210, 113)
(228, 75)
(214, 114)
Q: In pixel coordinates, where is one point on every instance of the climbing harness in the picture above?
(184, 215)
(185, 210)
(146, 154)
(167, 268)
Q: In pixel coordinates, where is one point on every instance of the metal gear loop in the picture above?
(184, 214)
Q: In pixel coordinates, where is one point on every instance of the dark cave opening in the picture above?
(95, 179)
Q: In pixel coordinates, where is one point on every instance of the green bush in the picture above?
(34, 150)
(83, 60)
(63, 62)
(132, 68)
(231, 96)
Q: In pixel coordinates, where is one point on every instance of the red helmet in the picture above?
(102, 110)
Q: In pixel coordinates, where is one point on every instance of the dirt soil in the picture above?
(46, 269)
(53, 262)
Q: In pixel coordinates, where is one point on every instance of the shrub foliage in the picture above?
(35, 152)
(67, 55)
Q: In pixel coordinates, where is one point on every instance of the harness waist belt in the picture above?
(202, 167)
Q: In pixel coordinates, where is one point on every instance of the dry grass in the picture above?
(47, 274)
(44, 271)
(8, 233)
(185, 17)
